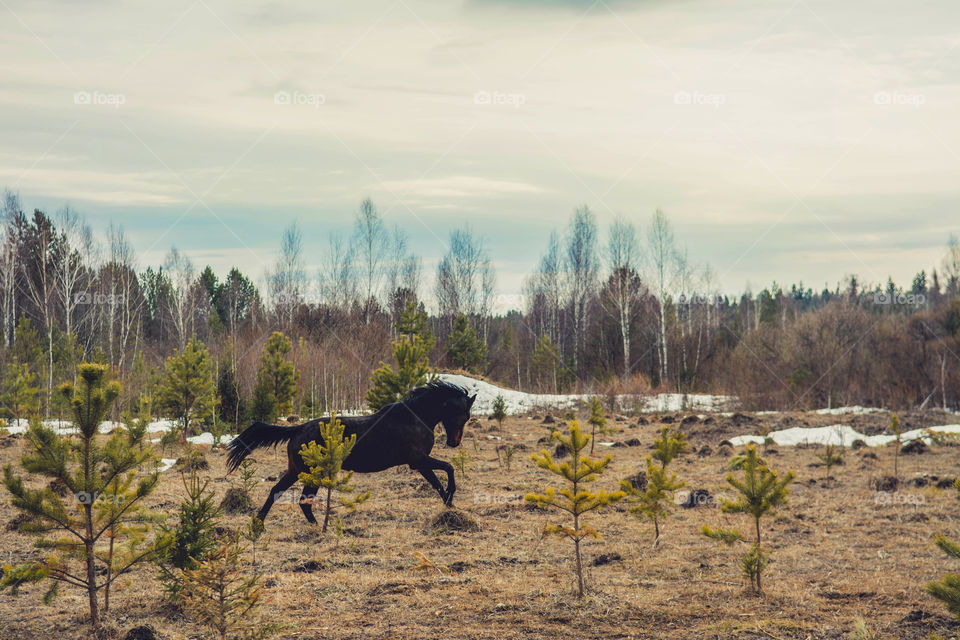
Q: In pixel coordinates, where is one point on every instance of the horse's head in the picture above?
(440, 401)
(454, 415)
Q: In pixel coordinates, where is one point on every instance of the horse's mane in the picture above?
(436, 387)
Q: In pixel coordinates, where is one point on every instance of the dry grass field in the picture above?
(842, 552)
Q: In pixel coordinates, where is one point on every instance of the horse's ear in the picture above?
(472, 398)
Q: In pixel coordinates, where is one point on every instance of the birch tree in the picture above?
(623, 256)
(371, 243)
(582, 267)
(662, 263)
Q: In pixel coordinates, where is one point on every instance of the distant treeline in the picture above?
(618, 311)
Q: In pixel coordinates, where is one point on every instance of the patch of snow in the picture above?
(166, 463)
(208, 438)
(839, 435)
(519, 402)
(856, 410)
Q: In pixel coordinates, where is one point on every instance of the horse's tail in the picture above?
(259, 434)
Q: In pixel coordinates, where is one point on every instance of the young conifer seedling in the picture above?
(499, 410)
(947, 589)
(653, 502)
(761, 491)
(598, 421)
(832, 456)
(575, 499)
(101, 540)
(221, 596)
(325, 462)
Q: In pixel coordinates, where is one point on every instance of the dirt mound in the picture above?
(914, 447)
(143, 632)
(450, 520)
(699, 498)
(236, 500)
(638, 480)
(885, 483)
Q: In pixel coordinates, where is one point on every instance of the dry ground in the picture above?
(840, 553)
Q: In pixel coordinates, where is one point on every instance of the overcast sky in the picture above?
(785, 140)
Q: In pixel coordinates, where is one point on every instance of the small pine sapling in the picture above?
(90, 525)
(253, 532)
(897, 431)
(947, 589)
(761, 491)
(325, 462)
(575, 499)
(598, 421)
(193, 538)
(222, 597)
(499, 410)
(505, 453)
(653, 502)
(461, 461)
(832, 456)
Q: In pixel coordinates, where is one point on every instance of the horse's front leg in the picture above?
(435, 463)
(428, 474)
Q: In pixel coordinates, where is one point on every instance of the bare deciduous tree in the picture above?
(288, 279)
(582, 267)
(181, 300)
(625, 288)
(371, 243)
(465, 277)
(662, 263)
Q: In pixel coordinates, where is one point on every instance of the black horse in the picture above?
(400, 433)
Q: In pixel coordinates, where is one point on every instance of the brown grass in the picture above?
(839, 555)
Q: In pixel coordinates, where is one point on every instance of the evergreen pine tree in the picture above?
(277, 380)
(193, 537)
(947, 589)
(466, 350)
(411, 351)
(92, 474)
(761, 491)
(187, 392)
(598, 421)
(18, 392)
(325, 462)
(832, 456)
(499, 410)
(219, 595)
(653, 502)
(576, 499)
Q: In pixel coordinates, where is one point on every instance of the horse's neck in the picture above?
(424, 413)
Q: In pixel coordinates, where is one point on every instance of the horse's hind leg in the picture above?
(306, 503)
(282, 485)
